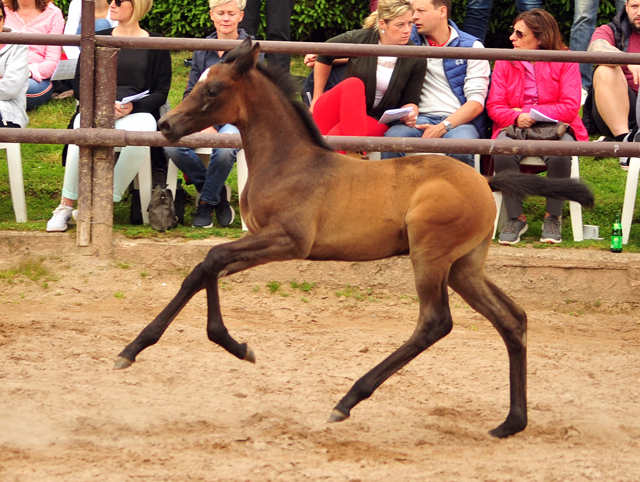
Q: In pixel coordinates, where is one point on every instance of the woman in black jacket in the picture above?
(145, 74)
(372, 84)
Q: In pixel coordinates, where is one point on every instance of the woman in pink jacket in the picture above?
(37, 16)
(551, 88)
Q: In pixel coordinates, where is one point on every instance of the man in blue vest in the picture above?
(454, 90)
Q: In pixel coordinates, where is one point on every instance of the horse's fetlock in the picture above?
(216, 334)
(363, 390)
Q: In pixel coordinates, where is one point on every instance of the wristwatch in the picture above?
(447, 125)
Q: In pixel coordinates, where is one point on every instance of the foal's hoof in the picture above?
(122, 362)
(337, 416)
(507, 429)
(249, 355)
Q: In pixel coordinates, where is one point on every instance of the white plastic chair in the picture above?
(16, 180)
(630, 193)
(575, 208)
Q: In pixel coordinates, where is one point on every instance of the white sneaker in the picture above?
(60, 218)
(584, 95)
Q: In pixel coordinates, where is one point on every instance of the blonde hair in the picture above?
(216, 3)
(140, 9)
(387, 10)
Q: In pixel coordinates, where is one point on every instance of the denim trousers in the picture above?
(464, 131)
(476, 19)
(207, 180)
(38, 93)
(584, 24)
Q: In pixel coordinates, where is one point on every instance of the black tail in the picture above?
(519, 185)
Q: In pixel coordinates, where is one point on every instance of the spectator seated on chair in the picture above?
(14, 76)
(551, 88)
(610, 106)
(210, 181)
(37, 16)
(454, 90)
(139, 70)
(372, 85)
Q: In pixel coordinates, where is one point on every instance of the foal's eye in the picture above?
(214, 89)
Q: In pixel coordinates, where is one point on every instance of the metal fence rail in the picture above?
(97, 87)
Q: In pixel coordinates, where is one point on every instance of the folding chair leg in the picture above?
(630, 197)
(172, 178)
(575, 208)
(501, 212)
(144, 181)
(16, 181)
(243, 175)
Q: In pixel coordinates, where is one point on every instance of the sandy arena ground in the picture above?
(187, 410)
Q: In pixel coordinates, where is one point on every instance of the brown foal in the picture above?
(304, 201)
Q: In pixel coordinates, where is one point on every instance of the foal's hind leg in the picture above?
(269, 244)
(467, 277)
(434, 323)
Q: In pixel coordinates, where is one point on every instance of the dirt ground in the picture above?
(187, 410)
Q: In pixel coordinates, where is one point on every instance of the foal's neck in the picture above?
(271, 128)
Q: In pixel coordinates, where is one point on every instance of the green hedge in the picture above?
(317, 20)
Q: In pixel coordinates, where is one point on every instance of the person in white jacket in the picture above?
(14, 77)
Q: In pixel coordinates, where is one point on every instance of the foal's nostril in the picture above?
(163, 125)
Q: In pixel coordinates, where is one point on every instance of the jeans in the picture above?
(584, 24)
(210, 180)
(278, 18)
(476, 19)
(464, 131)
(129, 162)
(38, 93)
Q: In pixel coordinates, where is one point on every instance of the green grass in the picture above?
(43, 175)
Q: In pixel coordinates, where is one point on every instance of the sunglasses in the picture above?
(120, 2)
(520, 34)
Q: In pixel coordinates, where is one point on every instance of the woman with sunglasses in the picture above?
(550, 88)
(139, 70)
(37, 16)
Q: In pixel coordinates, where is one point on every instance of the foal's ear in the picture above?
(247, 60)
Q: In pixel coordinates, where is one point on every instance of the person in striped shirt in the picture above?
(37, 16)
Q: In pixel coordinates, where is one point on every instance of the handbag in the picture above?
(162, 212)
(541, 131)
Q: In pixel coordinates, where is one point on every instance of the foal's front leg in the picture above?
(269, 244)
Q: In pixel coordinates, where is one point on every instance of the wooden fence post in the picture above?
(85, 168)
(103, 163)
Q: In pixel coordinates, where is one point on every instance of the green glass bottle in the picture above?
(616, 236)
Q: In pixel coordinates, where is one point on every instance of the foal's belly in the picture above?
(360, 243)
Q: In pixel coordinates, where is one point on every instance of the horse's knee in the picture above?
(433, 329)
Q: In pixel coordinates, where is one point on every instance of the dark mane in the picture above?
(284, 82)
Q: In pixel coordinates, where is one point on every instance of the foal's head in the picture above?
(216, 98)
